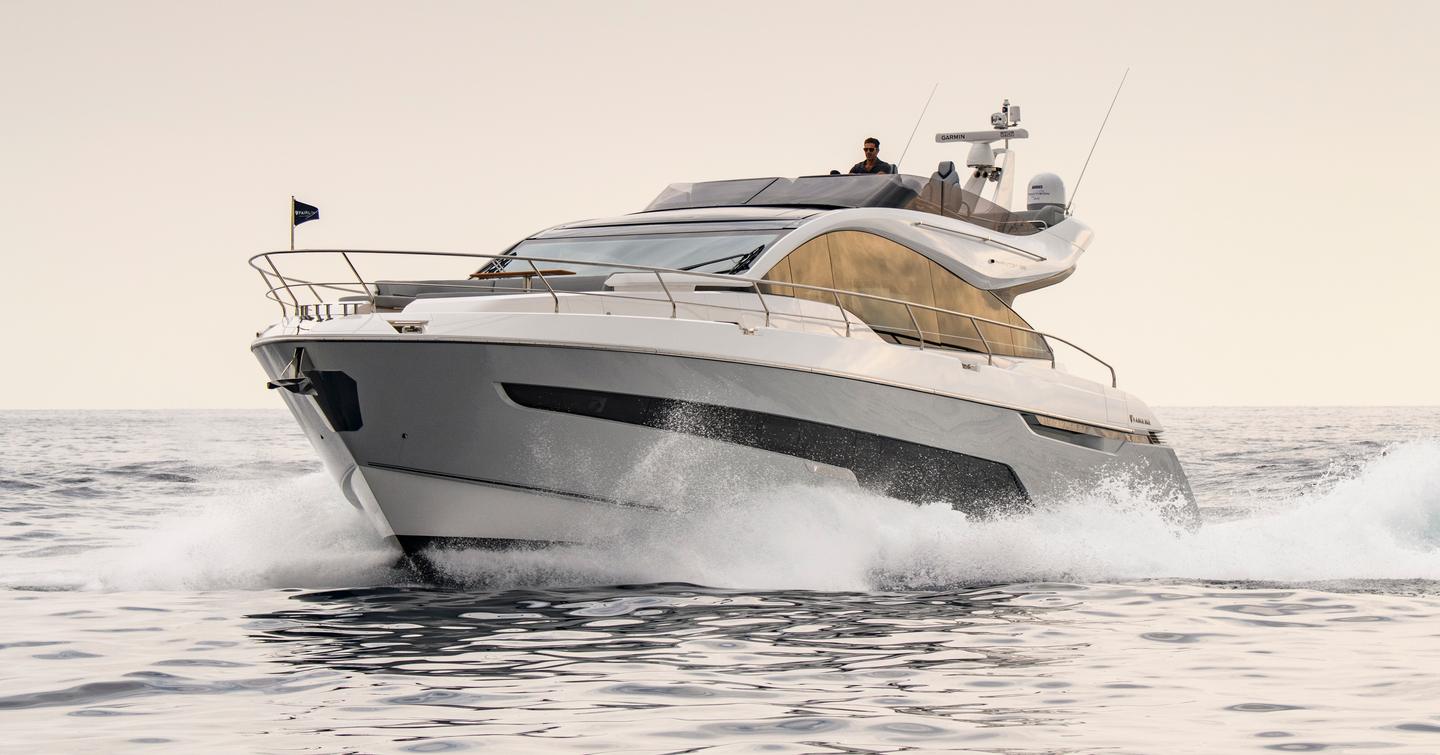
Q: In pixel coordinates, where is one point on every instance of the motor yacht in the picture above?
(856, 331)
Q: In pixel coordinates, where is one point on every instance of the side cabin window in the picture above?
(870, 264)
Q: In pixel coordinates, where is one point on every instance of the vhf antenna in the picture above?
(917, 123)
(1076, 190)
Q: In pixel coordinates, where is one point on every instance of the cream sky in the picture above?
(1263, 197)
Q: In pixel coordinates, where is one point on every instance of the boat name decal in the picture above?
(1139, 420)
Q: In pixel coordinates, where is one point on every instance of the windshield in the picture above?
(729, 252)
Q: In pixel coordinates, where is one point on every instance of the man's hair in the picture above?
(874, 141)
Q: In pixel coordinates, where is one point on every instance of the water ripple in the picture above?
(165, 561)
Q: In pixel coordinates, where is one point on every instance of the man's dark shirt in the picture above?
(880, 167)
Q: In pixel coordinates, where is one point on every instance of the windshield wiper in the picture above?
(496, 264)
(743, 260)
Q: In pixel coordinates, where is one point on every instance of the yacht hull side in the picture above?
(508, 443)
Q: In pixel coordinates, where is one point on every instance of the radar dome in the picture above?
(1046, 190)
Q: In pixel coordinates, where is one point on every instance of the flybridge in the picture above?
(992, 172)
(939, 195)
(829, 192)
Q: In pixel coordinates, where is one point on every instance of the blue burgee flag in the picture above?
(304, 213)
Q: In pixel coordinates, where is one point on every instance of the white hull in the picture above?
(519, 444)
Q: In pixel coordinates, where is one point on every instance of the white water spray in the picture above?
(1382, 523)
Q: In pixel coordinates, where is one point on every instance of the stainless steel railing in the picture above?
(281, 286)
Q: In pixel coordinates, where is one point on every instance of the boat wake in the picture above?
(1380, 523)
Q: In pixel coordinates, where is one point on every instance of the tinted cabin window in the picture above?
(864, 262)
(808, 264)
(875, 265)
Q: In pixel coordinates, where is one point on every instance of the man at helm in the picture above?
(872, 162)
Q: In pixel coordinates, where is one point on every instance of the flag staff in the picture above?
(292, 222)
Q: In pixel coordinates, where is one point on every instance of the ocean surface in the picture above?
(194, 582)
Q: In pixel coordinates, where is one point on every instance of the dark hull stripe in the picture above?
(890, 466)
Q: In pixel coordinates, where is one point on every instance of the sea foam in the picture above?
(1380, 523)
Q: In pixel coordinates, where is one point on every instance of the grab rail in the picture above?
(288, 284)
